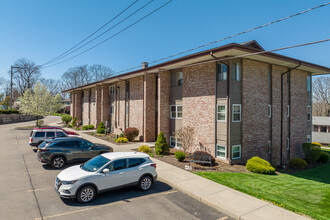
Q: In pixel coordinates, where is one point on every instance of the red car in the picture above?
(67, 132)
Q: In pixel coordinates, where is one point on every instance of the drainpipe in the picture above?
(281, 155)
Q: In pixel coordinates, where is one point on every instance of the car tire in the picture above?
(145, 183)
(86, 194)
(58, 162)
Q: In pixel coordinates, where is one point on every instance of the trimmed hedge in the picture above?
(312, 152)
(86, 127)
(145, 149)
(161, 146)
(8, 112)
(131, 133)
(100, 128)
(297, 163)
(66, 118)
(324, 157)
(180, 155)
(122, 140)
(258, 165)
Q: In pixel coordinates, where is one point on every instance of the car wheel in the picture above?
(145, 183)
(58, 162)
(86, 194)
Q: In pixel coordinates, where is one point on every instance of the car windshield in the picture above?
(95, 163)
(43, 144)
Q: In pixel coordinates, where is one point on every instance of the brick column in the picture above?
(164, 104)
(98, 92)
(72, 105)
(78, 106)
(105, 106)
(149, 107)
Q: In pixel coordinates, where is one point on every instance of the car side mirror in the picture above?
(106, 171)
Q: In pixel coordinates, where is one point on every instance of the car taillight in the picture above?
(153, 165)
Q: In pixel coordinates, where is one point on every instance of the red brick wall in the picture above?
(98, 104)
(105, 107)
(136, 104)
(149, 107)
(164, 104)
(78, 106)
(254, 109)
(198, 108)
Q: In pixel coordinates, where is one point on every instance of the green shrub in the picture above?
(92, 133)
(324, 157)
(100, 128)
(203, 156)
(145, 149)
(121, 135)
(131, 133)
(86, 127)
(312, 152)
(70, 126)
(180, 155)
(122, 140)
(161, 146)
(7, 112)
(258, 165)
(151, 155)
(297, 163)
(39, 122)
(74, 121)
(66, 118)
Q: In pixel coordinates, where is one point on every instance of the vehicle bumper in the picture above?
(155, 177)
(43, 160)
(66, 191)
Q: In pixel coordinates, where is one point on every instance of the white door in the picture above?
(116, 176)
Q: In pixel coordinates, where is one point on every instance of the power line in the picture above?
(98, 36)
(60, 56)
(113, 34)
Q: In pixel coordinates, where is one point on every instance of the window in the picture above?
(323, 129)
(236, 150)
(308, 83)
(269, 111)
(180, 78)
(176, 79)
(236, 112)
(221, 151)
(85, 144)
(288, 111)
(135, 162)
(221, 113)
(236, 71)
(60, 134)
(222, 72)
(308, 139)
(316, 128)
(176, 112)
(117, 165)
(50, 134)
(40, 134)
(309, 113)
(175, 142)
(112, 90)
(288, 143)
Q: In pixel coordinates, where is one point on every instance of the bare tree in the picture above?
(27, 75)
(186, 135)
(100, 72)
(321, 96)
(52, 85)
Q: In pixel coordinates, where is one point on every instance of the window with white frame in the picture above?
(309, 113)
(236, 112)
(288, 111)
(269, 111)
(221, 151)
(236, 71)
(222, 72)
(112, 90)
(221, 111)
(308, 139)
(176, 112)
(175, 142)
(236, 151)
(288, 143)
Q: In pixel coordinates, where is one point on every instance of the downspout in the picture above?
(281, 153)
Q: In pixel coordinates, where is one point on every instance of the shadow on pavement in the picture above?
(49, 167)
(124, 194)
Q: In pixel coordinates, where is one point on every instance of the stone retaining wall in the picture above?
(6, 119)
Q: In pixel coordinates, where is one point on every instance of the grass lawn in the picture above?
(306, 192)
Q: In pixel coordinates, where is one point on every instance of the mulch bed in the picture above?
(110, 138)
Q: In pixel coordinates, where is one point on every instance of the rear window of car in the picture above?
(39, 134)
(60, 134)
(50, 134)
(133, 162)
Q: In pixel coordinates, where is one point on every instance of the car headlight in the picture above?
(69, 182)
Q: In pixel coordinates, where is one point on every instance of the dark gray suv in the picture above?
(59, 151)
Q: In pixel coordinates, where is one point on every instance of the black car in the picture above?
(59, 151)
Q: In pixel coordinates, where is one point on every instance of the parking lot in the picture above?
(27, 189)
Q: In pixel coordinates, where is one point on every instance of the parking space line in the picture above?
(36, 190)
(106, 205)
(223, 218)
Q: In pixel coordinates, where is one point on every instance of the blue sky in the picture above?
(40, 30)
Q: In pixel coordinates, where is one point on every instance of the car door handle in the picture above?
(121, 173)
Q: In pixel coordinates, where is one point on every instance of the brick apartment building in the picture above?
(234, 104)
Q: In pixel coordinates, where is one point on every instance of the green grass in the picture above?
(306, 192)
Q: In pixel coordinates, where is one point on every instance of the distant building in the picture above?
(321, 130)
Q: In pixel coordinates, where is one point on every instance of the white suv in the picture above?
(105, 172)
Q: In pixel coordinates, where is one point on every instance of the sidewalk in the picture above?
(229, 201)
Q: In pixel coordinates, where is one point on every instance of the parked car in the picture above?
(105, 172)
(69, 133)
(37, 136)
(60, 151)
